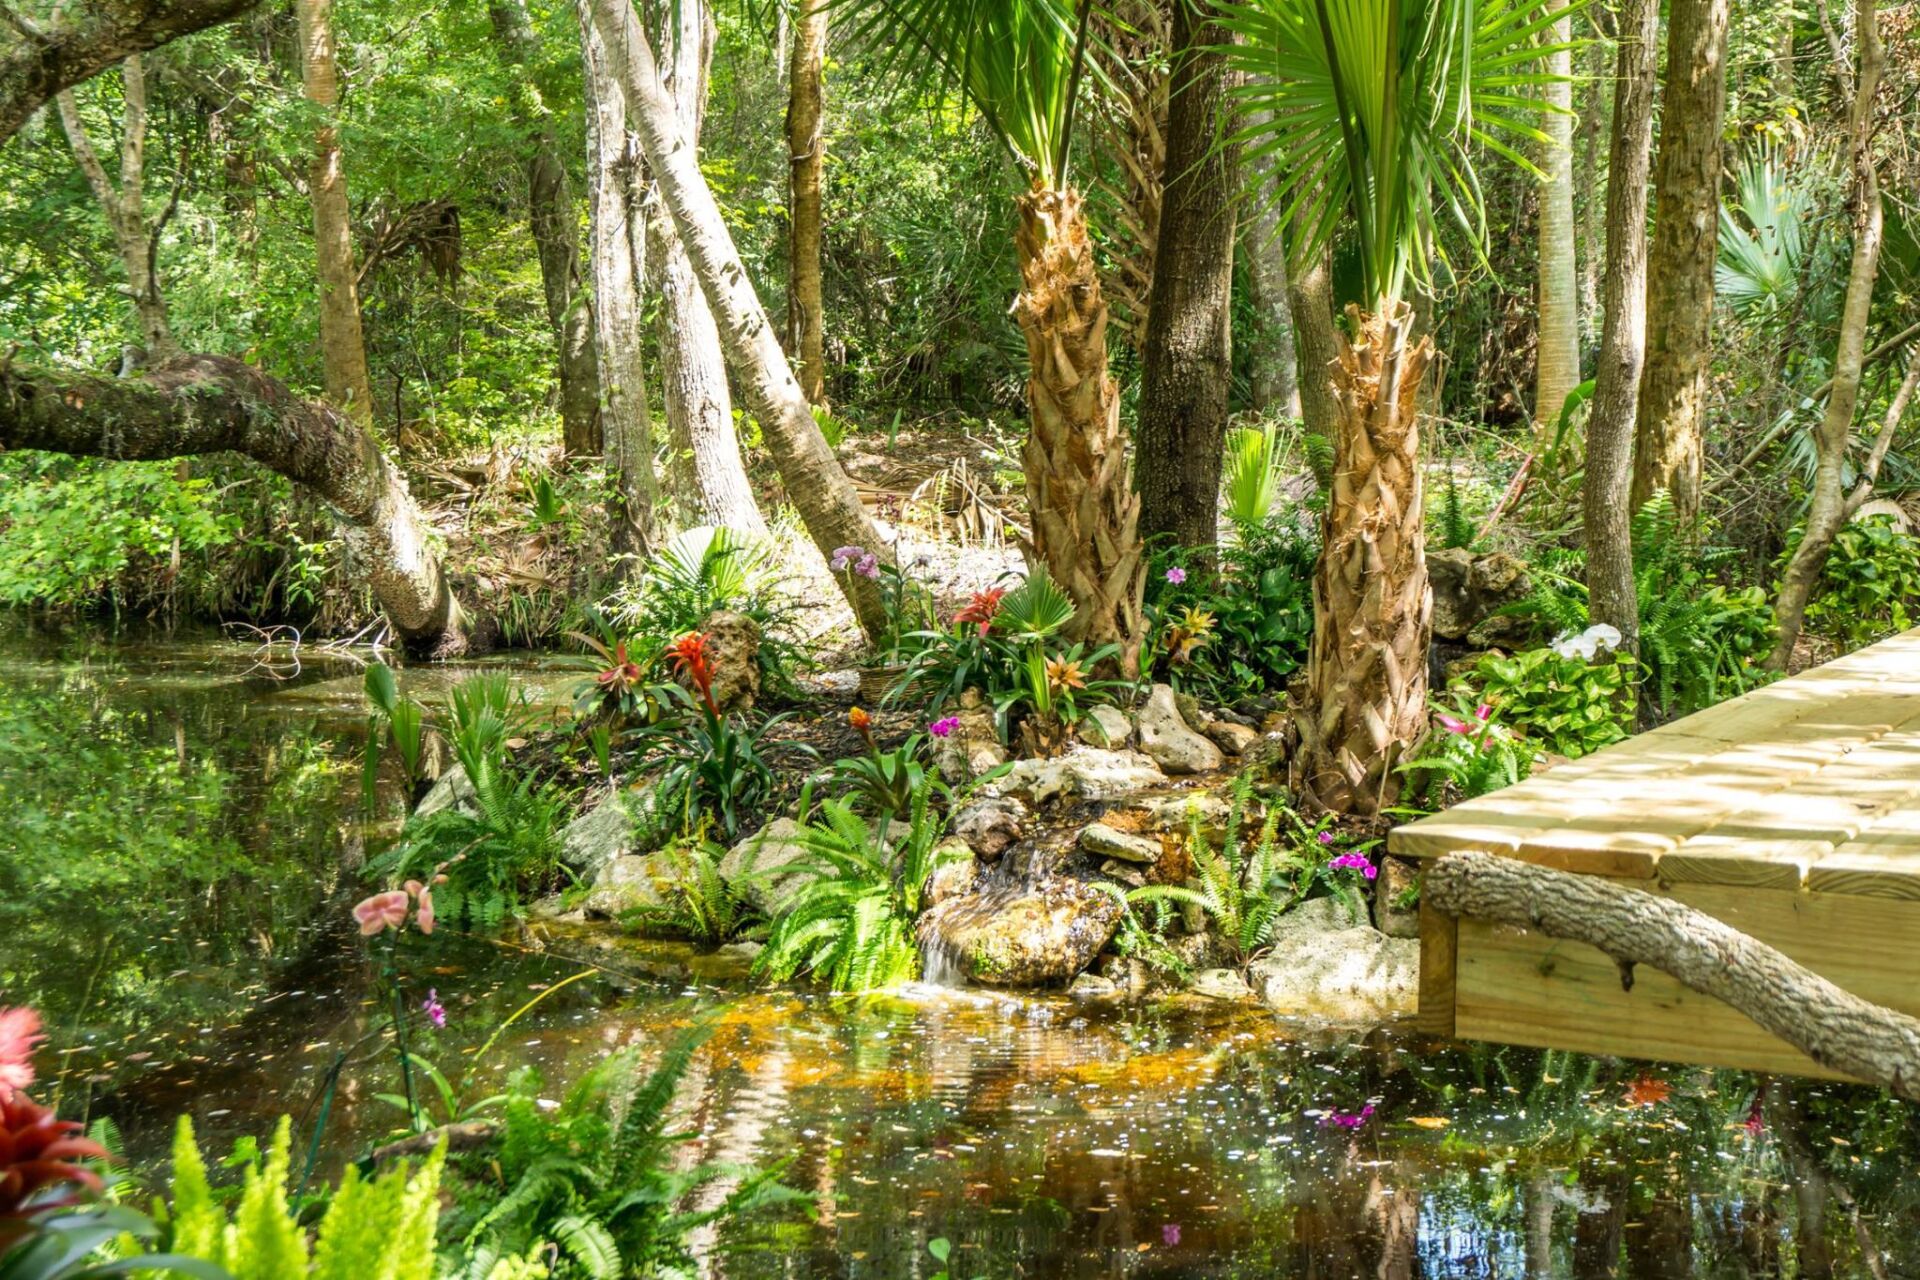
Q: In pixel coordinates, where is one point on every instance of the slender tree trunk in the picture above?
(1623, 334)
(125, 206)
(1187, 364)
(806, 156)
(1668, 442)
(1275, 359)
(828, 504)
(551, 219)
(1310, 299)
(1086, 516)
(618, 233)
(1591, 187)
(1597, 1231)
(1367, 669)
(343, 350)
(1537, 1201)
(1557, 363)
(1129, 126)
(1812, 1250)
(198, 405)
(1827, 511)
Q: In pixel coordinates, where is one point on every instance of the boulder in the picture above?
(735, 641)
(1317, 968)
(1176, 813)
(1124, 873)
(1169, 742)
(1081, 774)
(452, 790)
(1234, 739)
(952, 877)
(756, 868)
(1105, 841)
(1220, 984)
(973, 748)
(1468, 590)
(1397, 877)
(1106, 727)
(1040, 936)
(1090, 986)
(989, 824)
(623, 883)
(600, 835)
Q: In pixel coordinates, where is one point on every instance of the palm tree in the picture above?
(1020, 64)
(1372, 113)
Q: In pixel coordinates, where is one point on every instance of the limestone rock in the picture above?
(1326, 962)
(623, 882)
(1169, 742)
(1090, 986)
(1234, 739)
(1220, 984)
(953, 877)
(735, 640)
(1101, 839)
(453, 790)
(972, 749)
(1041, 936)
(1106, 727)
(1130, 876)
(990, 823)
(1081, 774)
(600, 835)
(1316, 916)
(1397, 876)
(1176, 813)
(757, 868)
(1468, 590)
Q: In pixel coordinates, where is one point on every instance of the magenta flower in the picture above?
(1170, 1234)
(1325, 837)
(1450, 724)
(944, 726)
(1347, 1119)
(435, 1011)
(19, 1036)
(868, 566)
(1483, 712)
(1355, 862)
(1176, 575)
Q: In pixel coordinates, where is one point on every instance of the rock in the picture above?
(1397, 877)
(989, 824)
(1234, 739)
(600, 835)
(1167, 740)
(1198, 950)
(624, 882)
(746, 950)
(1220, 984)
(1092, 987)
(1191, 712)
(1468, 590)
(1081, 774)
(973, 748)
(755, 867)
(735, 641)
(452, 791)
(1318, 916)
(1351, 975)
(953, 877)
(1176, 813)
(1130, 876)
(1106, 727)
(1104, 840)
(1037, 937)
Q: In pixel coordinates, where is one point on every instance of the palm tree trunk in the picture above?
(1367, 670)
(1187, 363)
(1668, 445)
(828, 504)
(806, 153)
(551, 219)
(1827, 511)
(1085, 514)
(343, 349)
(1623, 334)
(1557, 364)
(617, 232)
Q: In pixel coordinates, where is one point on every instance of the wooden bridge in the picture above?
(1791, 813)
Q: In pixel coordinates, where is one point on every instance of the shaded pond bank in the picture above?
(181, 832)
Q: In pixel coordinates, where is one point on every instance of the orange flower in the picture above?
(37, 1150)
(1063, 675)
(1647, 1091)
(859, 719)
(692, 656)
(981, 609)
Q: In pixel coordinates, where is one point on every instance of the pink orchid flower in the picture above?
(1450, 724)
(383, 911)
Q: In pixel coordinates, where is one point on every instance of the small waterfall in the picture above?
(940, 961)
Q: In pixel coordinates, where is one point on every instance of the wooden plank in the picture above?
(1437, 948)
(1882, 861)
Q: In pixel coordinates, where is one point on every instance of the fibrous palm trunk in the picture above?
(1085, 514)
(1367, 670)
(806, 155)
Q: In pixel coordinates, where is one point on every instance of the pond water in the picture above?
(181, 832)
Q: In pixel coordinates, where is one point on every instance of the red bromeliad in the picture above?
(623, 675)
(692, 656)
(981, 609)
(37, 1150)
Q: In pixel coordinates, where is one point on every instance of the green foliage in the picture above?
(1468, 756)
(69, 1243)
(1254, 459)
(883, 781)
(710, 765)
(1870, 586)
(1237, 884)
(698, 571)
(851, 924)
(700, 905)
(617, 693)
(394, 721)
(1260, 604)
(1762, 238)
(1565, 703)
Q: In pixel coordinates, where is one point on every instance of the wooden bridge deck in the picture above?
(1792, 813)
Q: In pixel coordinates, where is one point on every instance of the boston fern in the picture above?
(699, 905)
(1237, 885)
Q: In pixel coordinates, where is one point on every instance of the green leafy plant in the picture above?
(1762, 238)
(697, 572)
(1870, 587)
(1470, 753)
(618, 691)
(1254, 459)
(1564, 702)
(1259, 607)
(884, 781)
(396, 721)
(1237, 886)
(699, 904)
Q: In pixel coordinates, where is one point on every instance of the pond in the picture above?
(181, 832)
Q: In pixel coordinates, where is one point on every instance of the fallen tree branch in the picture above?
(1826, 1022)
(467, 1135)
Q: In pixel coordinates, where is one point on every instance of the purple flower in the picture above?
(1355, 862)
(435, 1011)
(844, 556)
(944, 726)
(1483, 712)
(1176, 576)
(868, 566)
(1170, 1234)
(1325, 837)
(1347, 1119)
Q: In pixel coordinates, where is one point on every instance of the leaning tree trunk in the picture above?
(1611, 595)
(1085, 514)
(1273, 357)
(210, 404)
(1668, 441)
(1367, 669)
(1557, 362)
(1187, 362)
(828, 504)
(343, 349)
(1129, 127)
(1827, 511)
(1310, 300)
(618, 235)
(555, 227)
(806, 158)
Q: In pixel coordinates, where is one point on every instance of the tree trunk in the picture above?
(1597, 1230)
(1310, 299)
(1611, 596)
(1829, 1024)
(1812, 1250)
(1536, 1199)
(828, 504)
(1129, 126)
(1187, 363)
(1273, 356)
(1668, 442)
(1086, 516)
(551, 219)
(1557, 361)
(1827, 511)
(1372, 626)
(125, 206)
(343, 350)
(806, 157)
(618, 233)
(210, 404)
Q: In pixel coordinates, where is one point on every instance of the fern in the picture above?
(1236, 884)
(700, 905)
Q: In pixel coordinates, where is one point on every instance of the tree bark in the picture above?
(40, 60)
(1129, 126)
(619, 251)
(1668, 442)
(1310, 299)
(125, 206)
(1274, 357)
(1187, 363)
(806, 157)
(1829, 1024)
(1557, 361)
(1827, 510)
(1611, 595)
(1086, 516)
(828, 504)
(343, 349)
(1372, 627)
(201, 404)
(551, 219)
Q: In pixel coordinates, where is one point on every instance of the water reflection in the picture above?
(180, 839)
